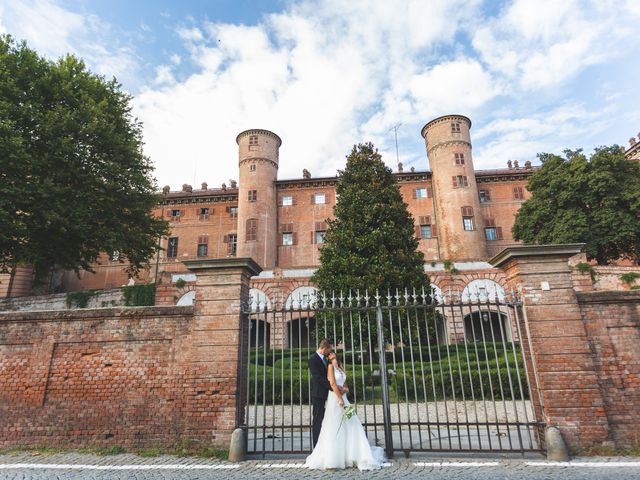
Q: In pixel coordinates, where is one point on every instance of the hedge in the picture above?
(451, 376)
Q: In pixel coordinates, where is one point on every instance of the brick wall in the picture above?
(612, 322)
(94, 377)
(136, 377)
(584, 346)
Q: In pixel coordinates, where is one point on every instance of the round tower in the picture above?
(257, 200)
(456, 202)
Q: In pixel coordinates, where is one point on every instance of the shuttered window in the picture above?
(203, 245)
(459, 181)
(518, 193)
(252, 229)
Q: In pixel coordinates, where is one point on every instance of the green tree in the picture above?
(370, 244)
(73, 179)
(593, 200)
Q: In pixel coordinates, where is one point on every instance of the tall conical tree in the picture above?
(370, 244)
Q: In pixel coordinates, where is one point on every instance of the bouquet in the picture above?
(348, 412)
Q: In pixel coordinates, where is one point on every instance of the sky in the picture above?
(533, 75)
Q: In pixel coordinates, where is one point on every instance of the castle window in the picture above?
(253, 195)
(467, 218)
(318, 198)
(252, 230)
(491, 232)
(455, 127)
(518, 193)
(253, 140)
(317, 236)
(252, 167)
(485, 196)
(421, 192)
(172, 247)
(288, 237)
(175, 215)
(459, 157)
(460, 181)
(204, 213)
(232, 211)
(203, 245)
(287, 200)
(425, 228)
(232, 244)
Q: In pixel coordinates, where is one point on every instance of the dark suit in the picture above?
(320, 388)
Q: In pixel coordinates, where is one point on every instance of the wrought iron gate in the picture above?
(425, 372)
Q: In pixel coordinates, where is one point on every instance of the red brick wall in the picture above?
(94, 377)
(612, 321)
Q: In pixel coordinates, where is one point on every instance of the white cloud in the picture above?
(325, 74)
(54, 31)
(541, 43)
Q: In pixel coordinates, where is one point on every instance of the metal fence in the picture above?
(425, 372)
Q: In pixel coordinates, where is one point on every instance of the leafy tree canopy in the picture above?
(593, 200)
(370, 244)
(73, 179)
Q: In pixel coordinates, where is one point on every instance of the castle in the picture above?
(462, 218)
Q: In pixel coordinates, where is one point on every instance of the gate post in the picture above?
(553, 329)
(213, 390)
(384, 385)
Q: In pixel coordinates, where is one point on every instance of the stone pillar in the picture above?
(215, 359)
(568, 382)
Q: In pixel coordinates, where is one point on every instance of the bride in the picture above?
(342, 442)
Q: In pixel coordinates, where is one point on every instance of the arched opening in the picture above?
(187, 299)
(301, 332)
(301, 298)
(483, 290)
(487, 326)
(259, 332)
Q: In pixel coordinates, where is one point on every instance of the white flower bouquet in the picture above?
(348, 412)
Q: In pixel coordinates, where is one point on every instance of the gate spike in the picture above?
(377, 297)
(366, 297)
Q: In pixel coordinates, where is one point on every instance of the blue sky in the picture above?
(533, 75)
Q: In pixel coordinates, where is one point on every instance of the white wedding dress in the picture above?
(343, 446)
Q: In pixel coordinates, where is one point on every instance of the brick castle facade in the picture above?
(462, 215)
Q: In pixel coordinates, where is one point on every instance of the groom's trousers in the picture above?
(318, 416)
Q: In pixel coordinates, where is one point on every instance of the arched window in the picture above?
(252, 229)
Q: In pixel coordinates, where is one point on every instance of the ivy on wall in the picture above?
(139, 295)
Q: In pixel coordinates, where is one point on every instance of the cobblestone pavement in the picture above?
(81, 466)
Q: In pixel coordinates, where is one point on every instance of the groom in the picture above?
(320, 386)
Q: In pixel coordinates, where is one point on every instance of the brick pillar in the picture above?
(571, 395)
(214, 360)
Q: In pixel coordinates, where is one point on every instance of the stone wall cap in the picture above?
(609, 296)
(222, 263)
(519, 251)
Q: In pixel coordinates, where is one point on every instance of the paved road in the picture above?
(78, 466)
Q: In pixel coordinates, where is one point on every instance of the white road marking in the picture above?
(584, 464)
(62, 466)
(301, 465)
(456, 464)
